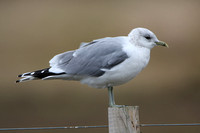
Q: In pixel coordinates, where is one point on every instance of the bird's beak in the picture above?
(162, 44)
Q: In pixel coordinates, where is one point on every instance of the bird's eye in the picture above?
(147, 37)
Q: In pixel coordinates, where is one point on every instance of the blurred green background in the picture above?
(33, 31)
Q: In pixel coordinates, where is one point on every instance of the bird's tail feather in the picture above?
(39, 74)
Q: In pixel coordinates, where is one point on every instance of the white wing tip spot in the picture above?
(42, 71)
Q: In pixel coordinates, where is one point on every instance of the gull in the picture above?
(102, 63)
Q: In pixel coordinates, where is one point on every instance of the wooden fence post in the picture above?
(123, 119)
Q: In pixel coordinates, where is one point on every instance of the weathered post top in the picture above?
(123, 119)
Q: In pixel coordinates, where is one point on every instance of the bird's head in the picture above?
(145, 38)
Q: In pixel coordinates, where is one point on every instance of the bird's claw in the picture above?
(118, 106)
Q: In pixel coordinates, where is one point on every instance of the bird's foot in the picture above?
(118, 106)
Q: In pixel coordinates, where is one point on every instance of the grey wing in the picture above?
(90, 59)
(61, 59)
(84, 44)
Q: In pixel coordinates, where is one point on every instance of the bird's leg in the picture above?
(111, 96)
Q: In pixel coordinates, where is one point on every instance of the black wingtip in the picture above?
(17, 81)
(20, 75)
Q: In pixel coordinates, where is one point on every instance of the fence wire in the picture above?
(100, 126)
(158, 125)
(50, 128)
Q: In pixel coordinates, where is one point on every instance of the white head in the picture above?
(144, 38)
